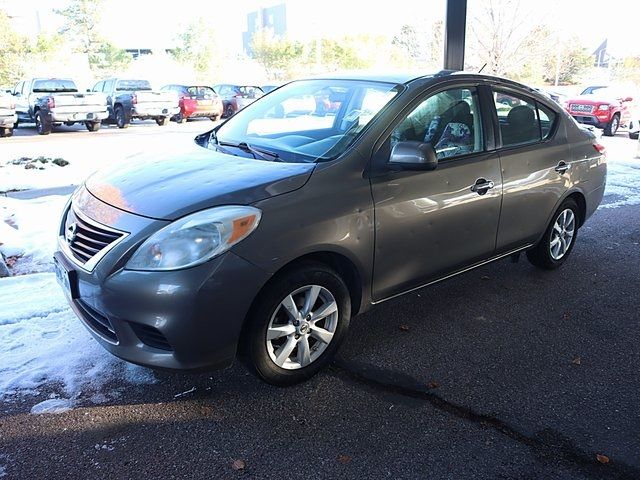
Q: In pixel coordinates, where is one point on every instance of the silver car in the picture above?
(265, 237)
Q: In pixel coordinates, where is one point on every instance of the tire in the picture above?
(6, 132)
(612, 127)
(93, 126)
(550, 253)
(121, 118)
(179, 118)
(214, 118)
(229, 112)
(15, 125)
(43, 126)
(261, 355)
(634, 135)
(162, 121)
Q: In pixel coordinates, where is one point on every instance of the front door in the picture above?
(432, 223)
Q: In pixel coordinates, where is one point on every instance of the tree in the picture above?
(12, 50)
(198, 46)
(278, 56)
(109, 59)
(407, 40)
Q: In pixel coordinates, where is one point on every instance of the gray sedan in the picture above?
(264, 238)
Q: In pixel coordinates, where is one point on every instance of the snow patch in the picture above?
(43, 343)
(28, 228)
(53, 405)
(623, 183)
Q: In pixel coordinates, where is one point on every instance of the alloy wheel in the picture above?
(302, 327)
(562, 234)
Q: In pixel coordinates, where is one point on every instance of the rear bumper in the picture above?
(8, 120)
(152, 111)
(78, 116)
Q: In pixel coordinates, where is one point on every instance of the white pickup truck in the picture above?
(54, 101)
(8, 116)
(130, 98)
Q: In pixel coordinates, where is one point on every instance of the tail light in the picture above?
(51, 103)
(134, 98)
(600, 148)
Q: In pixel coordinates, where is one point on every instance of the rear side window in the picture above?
(547, 120)
(522, 119)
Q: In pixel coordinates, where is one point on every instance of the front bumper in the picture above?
(188, 319)
(590, 120)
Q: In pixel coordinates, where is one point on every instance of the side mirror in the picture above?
(413, 155)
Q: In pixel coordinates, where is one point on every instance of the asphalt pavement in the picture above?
(503, 372)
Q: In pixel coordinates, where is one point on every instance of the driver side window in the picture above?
(449, 121)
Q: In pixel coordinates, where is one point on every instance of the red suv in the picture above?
(602, 107)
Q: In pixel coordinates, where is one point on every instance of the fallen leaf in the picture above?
(565, 316)
(484, 277)
(344, 459)
(238, 464)
(602, 458)
(404, 328)
(433, 384)
(576, 361)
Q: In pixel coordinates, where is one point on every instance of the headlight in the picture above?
(603, 107)
(196, 238)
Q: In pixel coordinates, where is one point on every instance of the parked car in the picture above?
(604, 108)
(8, 115)
(195, 101)
(559, 98)
(53, 101)
(134, 99)
(236, 97)
(634, 128)
(266, 245)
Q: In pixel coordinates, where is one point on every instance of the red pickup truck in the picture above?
(601, 107)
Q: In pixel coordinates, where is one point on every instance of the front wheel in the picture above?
(296, 325)
(559, 238)
(179, 117)
(43, 126)
(162, 121)
(93, 126)
(6, 132)
(612, 127)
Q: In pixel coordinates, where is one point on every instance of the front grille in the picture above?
(99, 323)
(151, 336)
(86, 238)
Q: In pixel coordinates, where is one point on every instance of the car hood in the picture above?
(593, 99)
(191, 179)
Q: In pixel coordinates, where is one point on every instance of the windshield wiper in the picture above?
(256, 152)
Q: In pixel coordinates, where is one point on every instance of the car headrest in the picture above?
(521, 116)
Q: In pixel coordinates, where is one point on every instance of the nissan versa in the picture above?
(266, 236)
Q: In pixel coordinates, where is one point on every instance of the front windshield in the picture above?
(54, 85)
(307, 121)
(128, 85)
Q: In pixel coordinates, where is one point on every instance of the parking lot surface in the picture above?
(502, 372)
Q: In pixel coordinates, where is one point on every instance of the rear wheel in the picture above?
(296, 325)
(214, 118)
(93, 126)
(634, 135)
(558, 240)
(229, 111)
(162, 121)
(612, 127)
(43, 126)
(6, 132)
(121, 119)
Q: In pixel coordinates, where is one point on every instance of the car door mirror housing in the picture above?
(413, 155)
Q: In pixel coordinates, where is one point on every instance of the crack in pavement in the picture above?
(547, 443)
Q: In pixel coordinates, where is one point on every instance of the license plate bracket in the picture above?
(67, 278)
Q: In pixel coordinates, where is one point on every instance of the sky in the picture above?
(156, 23)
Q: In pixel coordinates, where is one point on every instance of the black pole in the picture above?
(454, 34)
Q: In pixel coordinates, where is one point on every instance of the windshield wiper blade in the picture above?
(256, 152)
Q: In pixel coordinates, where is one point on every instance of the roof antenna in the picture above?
(480, 71)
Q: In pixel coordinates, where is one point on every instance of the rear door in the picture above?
(433, 223)
(535, 159)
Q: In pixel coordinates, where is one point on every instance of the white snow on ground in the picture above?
(28, 229)
(17, 177)
(45, 345)
(623, 182)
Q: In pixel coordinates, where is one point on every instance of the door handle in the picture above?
(562, 167)
(482, 186)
